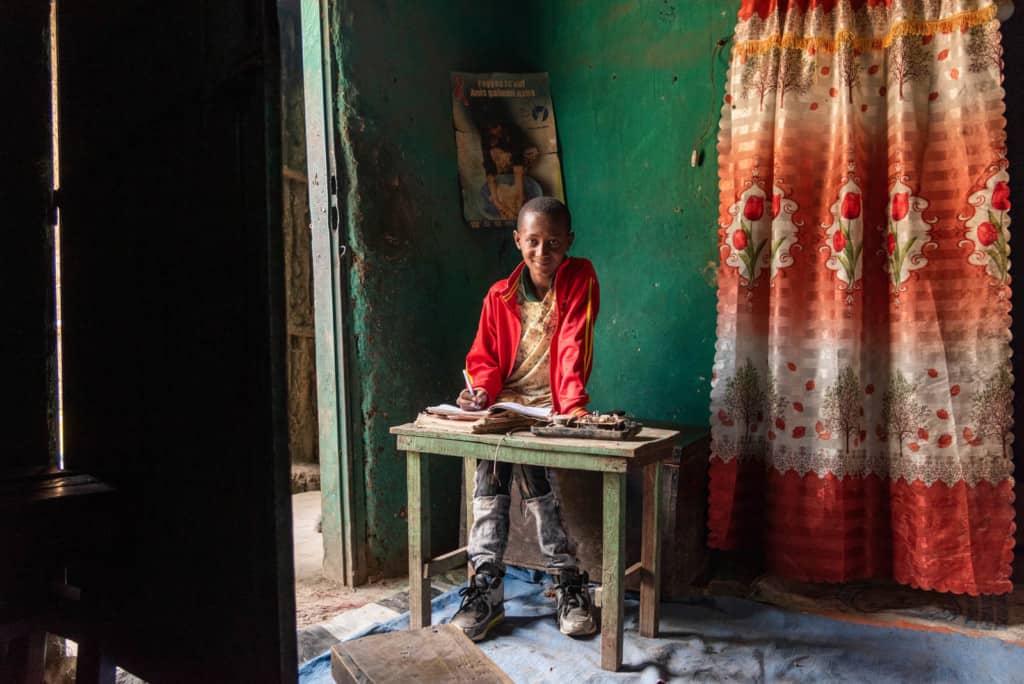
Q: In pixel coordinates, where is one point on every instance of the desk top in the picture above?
(651, 442)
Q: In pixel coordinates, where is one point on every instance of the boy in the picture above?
(534, 345)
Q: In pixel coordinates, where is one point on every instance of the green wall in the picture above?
(418, 274)
(631, 93)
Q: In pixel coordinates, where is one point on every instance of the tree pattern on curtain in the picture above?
(861, 394)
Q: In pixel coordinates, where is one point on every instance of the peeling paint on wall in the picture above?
(417, 274)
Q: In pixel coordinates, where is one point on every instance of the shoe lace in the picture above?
(471, 594)
(574, 593)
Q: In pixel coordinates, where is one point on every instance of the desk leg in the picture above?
(612, 570)
(469, 482)
(418, 516)
(650, 553)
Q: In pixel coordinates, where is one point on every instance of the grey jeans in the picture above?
(491, 498)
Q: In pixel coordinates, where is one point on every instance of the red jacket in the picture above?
(493, 354)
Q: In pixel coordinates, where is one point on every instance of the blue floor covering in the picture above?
(717, 639)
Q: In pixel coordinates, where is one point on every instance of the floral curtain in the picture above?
(861, 394)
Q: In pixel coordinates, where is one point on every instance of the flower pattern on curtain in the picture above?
(861, 394)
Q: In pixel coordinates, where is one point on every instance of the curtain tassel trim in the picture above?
(963, 21)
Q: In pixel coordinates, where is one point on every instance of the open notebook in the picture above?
(450, 411)
(500, 417)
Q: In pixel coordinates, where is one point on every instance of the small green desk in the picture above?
(648, 450)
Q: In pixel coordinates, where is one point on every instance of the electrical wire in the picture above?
(695, 156)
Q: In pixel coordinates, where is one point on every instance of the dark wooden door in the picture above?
(173, 323)
(27, 345)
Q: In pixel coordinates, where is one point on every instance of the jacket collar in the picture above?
(508, 293)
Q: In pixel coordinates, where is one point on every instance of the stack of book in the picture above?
(501, 417)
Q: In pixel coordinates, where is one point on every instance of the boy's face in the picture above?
(543, 241)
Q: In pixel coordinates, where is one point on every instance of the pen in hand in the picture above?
(473, 400)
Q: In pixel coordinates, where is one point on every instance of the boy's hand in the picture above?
(472, 402)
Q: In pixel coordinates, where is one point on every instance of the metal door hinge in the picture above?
(56, 197)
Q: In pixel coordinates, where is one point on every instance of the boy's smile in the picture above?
(543, 241)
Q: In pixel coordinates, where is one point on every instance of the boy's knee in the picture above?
(545, 508)
(484, 505)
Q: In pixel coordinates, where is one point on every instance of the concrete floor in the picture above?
(321, 600)
(308, 545)
(327, 612)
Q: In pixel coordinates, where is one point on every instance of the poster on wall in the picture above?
(506, 143)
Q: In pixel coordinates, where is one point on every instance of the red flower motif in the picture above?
(819, 427)
(1001, 196)
(987, 234)
(799, 431)
(954, 390)
(870, 389)
(838, 241)
(975, 442)
(945, 441)
(851, 206)
(824, 435)
(914, 446)
(810, 386)
(968, 434)
(942, 414)
(797, 406)
(776, 204)
(780, 423)
(739, 240)
(771, 435)
(932, 373)
(890, 243)
(791, 366)
(863, 434)
(722, 415)
(922, 433)
(754, 208)
(900, 205)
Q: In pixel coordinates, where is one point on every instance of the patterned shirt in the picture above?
(530, 382)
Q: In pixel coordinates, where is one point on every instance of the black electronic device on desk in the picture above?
(596, 425)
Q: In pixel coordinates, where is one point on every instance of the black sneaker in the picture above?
(483, 605)
(575, 612)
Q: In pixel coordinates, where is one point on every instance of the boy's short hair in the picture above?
(549, 206)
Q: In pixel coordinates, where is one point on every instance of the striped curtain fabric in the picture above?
(861, 396)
